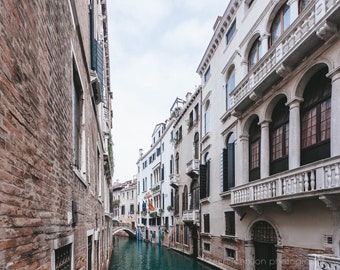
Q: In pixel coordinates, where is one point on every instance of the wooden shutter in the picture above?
(203, 181)
(225, 169)
(231, 165)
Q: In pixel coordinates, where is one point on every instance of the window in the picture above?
(205, 177)
(191, 120)
(255, 53)
(132, 209)
(316, 118)
(185, 198)
(196, 113)
(195, 195)
(89, 252)
(254, 150)
(280, 23)
(206, 222)
(171, 164)
(177, 163)
(63, 257)
(207, 74)
(77, 93)
(230, 253)
(176, 202)
(186, 235)
(123, 210)
(206, 246)
(177, 233)
(229, 223)
(207, 118)
(230, 33)
(279, 138)
(303, 4)
(230, 86)
(196, 146)
(229, 163)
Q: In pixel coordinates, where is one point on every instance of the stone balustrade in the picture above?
(314, 179)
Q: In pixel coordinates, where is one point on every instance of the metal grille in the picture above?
(63, 258)
(264, 232)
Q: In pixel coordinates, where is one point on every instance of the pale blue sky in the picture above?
(155, 49)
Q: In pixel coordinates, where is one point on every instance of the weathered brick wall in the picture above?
(37, 184)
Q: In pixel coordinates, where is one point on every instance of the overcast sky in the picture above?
(155, 49)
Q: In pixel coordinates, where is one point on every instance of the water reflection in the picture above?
(131, 254)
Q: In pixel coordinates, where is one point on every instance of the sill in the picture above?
(208, 235)
(225, 193)
(206, 137)
(229, 237)
(79, 176)
(225, 116)
(205, 200)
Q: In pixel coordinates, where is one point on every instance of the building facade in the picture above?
(55, 122)
(270, 89)
(155, 203)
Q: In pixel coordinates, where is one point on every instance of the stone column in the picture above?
(265, 153)
(294, 9)
(294, 133)
(243, 161)
(264, 43)
(335, 112)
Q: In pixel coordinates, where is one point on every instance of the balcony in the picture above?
(327, 262)
(309, 31)
(193, 167)
(174, 180)
(191, 216)
(319, 179)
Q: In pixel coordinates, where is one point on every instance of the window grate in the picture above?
(63, 258)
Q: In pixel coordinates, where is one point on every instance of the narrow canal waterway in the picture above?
(130, 254)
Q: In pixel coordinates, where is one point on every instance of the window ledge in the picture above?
(206, 137)
(206, 234)
(229, 237)
(79, 176)
(225, 193)
(205, 200)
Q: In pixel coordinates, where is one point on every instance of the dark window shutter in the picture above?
(92, 41)
(231, 165)
(225, 169)
(100, 66)
(203, 181)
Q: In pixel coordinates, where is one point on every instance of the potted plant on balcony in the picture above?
(169, 208)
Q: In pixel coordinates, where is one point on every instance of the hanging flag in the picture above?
(150, 206)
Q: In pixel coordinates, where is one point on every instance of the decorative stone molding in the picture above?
(257, 208)
(329, 202)
(283, 70)
(326, 30)
(286, 206)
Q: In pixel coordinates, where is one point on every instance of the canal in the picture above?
(137, 255)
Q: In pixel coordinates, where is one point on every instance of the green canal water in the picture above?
(129, 254)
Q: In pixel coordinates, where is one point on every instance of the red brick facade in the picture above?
(39, 43)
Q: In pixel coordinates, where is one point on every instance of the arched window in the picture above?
(280, 23)
(177, 163)
(196, 146)
(207, 117)
(229, 163)
(255, 53)
(316, 118)
(230, 85)
(279, 138)
(302, 4)
(254, 150)
(185, 198)
(205, 177)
